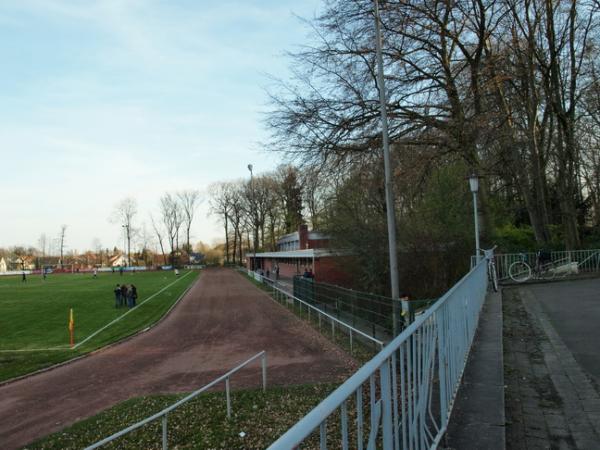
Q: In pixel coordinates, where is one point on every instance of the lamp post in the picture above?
(125, 234)
(253, 216)
(389, 197)
(474, 185)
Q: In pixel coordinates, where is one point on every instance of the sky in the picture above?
(106, 99)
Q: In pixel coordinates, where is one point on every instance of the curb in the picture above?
(582, 276)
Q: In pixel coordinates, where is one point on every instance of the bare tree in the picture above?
(123, 214)
(220, 205)
(189, 200)
(172, 218)
(159, 236)
(97, 248)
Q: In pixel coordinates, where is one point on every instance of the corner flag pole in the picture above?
(71, 328)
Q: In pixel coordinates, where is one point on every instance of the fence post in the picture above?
(386, 406)
(351, 351)
(323, 435)
(228, 398)
(264, 371)
(164, 433)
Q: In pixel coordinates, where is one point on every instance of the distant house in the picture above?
(24, 263)
(118, 260)
(3, 265)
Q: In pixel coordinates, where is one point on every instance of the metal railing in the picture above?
(163, 414)
(369, 312)
(407, 390)
(324, 319)
(587, 260)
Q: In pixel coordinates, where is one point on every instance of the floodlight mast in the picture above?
(254, 218)
(389, 195)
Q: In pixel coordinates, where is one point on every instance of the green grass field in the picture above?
(34, 315)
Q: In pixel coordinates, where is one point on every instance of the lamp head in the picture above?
(474, 183)
(250, 167)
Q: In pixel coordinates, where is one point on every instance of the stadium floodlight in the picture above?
(125, 233)
(255, 220)
(389, 195)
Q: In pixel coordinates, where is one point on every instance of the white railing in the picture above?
(324, 319)
(408, 389)
(163, 414)
(587, 260)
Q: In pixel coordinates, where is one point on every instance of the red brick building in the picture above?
(302, 250)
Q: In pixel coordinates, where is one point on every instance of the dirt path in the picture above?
(222, 321)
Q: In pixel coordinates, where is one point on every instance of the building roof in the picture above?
(295, 236)
(307, 253)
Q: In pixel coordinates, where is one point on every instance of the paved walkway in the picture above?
(550, 367)
(477, 420)
(222, 321)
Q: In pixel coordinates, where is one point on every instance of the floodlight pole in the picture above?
(254, 219)
(389, 195)
(124, 240)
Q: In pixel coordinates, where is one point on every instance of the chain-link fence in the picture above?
(370, 313)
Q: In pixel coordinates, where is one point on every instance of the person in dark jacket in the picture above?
(118, 301)
(123, 294)
(133, 295)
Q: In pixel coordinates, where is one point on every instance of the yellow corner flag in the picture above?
(71, 326)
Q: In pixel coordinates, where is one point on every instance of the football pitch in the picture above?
(34, 315)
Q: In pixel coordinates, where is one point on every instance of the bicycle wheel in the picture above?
(547, 271)
(519, 271)
(493, 277)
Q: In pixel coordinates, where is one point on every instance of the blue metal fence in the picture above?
(406, 391)
(571, 261)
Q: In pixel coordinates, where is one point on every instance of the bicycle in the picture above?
(491, 268)
(520, 271)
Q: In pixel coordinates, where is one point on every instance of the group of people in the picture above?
(275, 272)
(125, 295)
(308, 273)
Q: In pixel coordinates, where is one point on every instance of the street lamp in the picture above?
(389, 196)
(474, 185)
(253, 216)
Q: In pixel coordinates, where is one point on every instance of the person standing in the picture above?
(118, 301)
(123, 294)
(134, 295)
(24, 278)
(95, 272)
